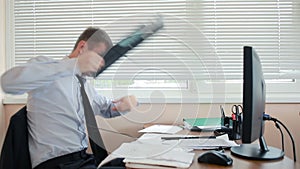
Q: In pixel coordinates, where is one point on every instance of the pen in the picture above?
(188, 137)
(222, 111)
(223, 123)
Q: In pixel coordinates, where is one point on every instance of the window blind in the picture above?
(270, 26)
(200, 39)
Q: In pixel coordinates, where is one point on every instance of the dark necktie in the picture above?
(95, 138)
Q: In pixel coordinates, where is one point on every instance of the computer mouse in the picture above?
(215, 157)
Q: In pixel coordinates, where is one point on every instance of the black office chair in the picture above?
(15, 150)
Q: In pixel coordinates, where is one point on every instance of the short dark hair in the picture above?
(94, 35)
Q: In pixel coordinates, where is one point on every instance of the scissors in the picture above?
(237, 109)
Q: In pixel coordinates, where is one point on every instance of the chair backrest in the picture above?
(15, 149)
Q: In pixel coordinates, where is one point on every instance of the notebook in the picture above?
(209, 124)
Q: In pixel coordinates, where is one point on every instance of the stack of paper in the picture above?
(161, 155)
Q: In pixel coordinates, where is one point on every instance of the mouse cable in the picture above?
(269, 118)
(281, 133)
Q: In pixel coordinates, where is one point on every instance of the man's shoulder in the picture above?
(41, 59)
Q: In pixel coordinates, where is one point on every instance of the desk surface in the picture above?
(241, 163)
(238, 163)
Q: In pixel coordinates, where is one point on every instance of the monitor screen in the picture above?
(253, 97)
(252, 123)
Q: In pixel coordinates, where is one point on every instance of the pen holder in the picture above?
(225, 121)
(231, 126)
(236, 127)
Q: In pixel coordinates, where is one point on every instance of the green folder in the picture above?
(202, 123)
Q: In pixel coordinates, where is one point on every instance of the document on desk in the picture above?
(168, 129)
(203, 143)
(188, 141)
(161, 155)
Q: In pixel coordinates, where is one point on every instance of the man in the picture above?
(56, 121)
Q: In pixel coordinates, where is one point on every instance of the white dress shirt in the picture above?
(56, 121)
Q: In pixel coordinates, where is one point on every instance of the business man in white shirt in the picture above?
(56, 121)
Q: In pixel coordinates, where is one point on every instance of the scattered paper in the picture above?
(168, 129)
(150, 150)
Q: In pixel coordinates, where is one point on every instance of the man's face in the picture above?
(99, 48)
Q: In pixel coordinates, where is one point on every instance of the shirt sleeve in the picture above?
(37, 72)
(102, 105)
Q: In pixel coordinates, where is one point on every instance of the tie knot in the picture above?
(81, 80)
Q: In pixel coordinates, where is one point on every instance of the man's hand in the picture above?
(90, 62)
(125, 104)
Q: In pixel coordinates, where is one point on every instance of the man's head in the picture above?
(93, 39)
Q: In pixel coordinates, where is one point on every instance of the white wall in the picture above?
(2, 65)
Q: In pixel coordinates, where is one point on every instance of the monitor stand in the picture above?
(255, 152)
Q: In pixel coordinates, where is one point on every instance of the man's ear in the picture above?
(81, 46)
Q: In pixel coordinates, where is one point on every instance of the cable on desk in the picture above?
(269, 118)
(282, 136)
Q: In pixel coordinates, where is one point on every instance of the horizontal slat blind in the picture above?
(200, 40)
(270, 26)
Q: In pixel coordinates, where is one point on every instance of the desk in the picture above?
(238, 163)
(241, 163)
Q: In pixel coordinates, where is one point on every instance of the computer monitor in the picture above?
(252, 123)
